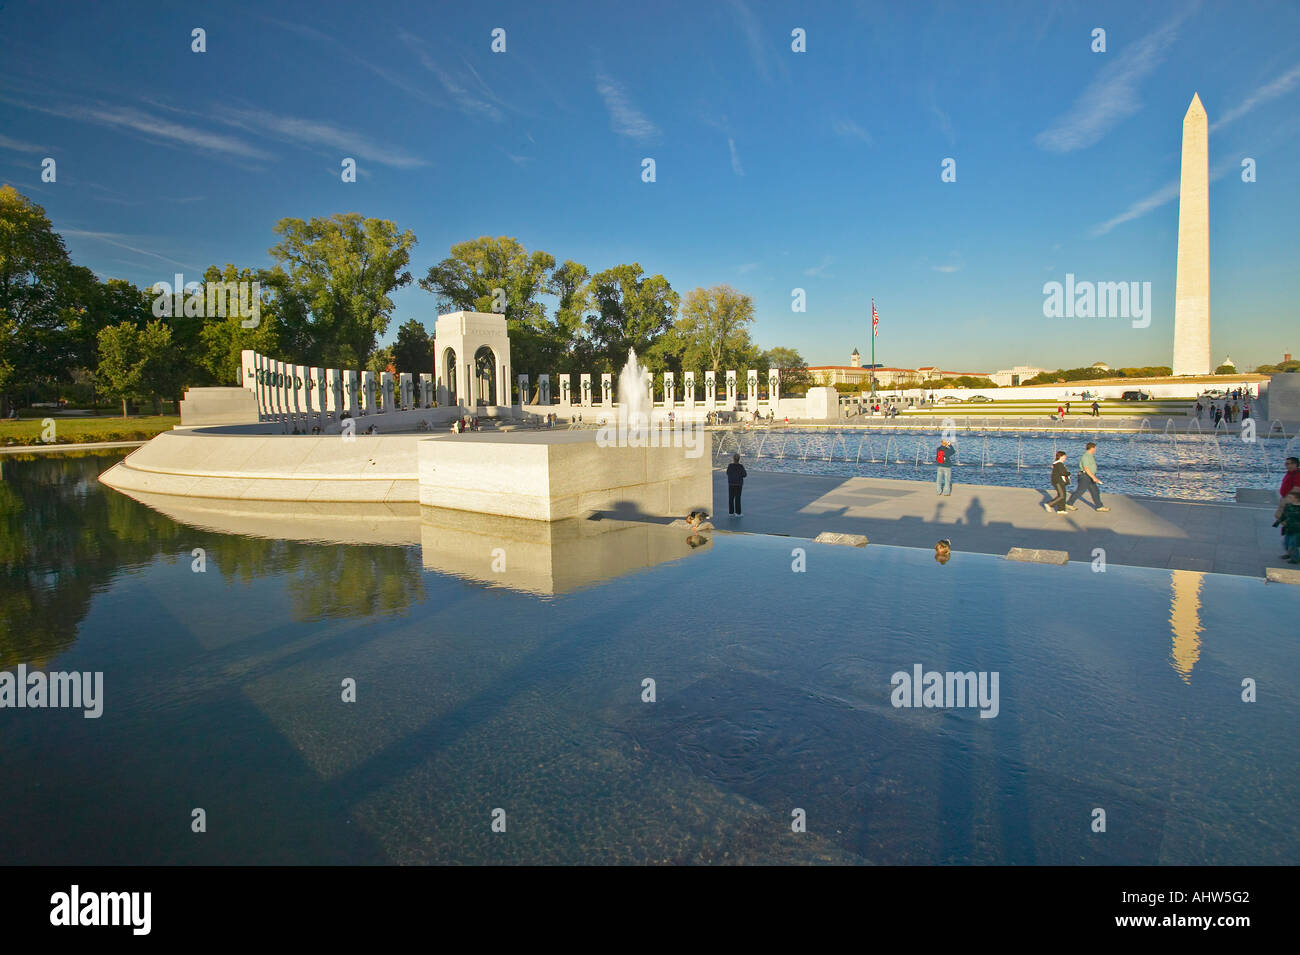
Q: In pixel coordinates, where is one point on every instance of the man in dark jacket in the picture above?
(736, 475)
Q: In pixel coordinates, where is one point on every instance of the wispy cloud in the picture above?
(945, 268)
(310, 132)
(625, 119)
(755, 39)
(1157, 199)
(848, 129)
(1112, 96)
(16, 146)
(736, 167)
(151, 127)
(747, 267)
(345, 51)
(819, 271)
(468, 102)
(115, 239)
(1279, 87)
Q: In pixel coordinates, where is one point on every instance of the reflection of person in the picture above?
(943, 551)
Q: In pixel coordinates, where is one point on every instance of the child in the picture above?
(943, 551)
(1290, 521)
(1060, 483)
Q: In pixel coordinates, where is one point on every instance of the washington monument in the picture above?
(1192, 293)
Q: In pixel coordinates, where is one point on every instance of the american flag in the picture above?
(875, 319)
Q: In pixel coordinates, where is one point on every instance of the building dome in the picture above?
(1101, 366)
(1227, 360)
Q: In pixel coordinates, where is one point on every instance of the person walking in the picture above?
(736, 475)
(1087, 479)
(1096, 410)
(1060, 484)
(943, 460)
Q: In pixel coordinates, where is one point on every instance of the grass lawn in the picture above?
(79, 430)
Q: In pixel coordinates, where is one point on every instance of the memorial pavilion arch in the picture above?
(473, 352)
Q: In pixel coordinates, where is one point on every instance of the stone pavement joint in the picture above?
(1213, 536)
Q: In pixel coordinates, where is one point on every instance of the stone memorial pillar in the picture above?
(426, 390)
(564, 389)
(280, 396)
(544, 386)
(367, 392)
(731, 391)
(386, 390)
(407, 385)
(353, 390)
(773, 388)
(607, 390)
(710, 391)
(321, 396)
(523, 390)
(338, 397)
(302, 393)
(690, 390)
(259, 366)
(585, 383)
(751, 389)
(670, 391)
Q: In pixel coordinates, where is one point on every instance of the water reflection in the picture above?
(64, 537)
(1185, 621)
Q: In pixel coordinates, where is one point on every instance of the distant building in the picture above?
(1101, 366)
(1227, 360)
(855, 360)
(1010, 377)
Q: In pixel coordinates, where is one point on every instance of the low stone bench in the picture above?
(1282, 575)
(844, 540)
(1035, 556)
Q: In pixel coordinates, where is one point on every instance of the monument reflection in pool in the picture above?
(771, 693)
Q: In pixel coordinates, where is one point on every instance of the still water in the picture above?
(525, 693)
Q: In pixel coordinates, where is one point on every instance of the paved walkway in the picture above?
(1226, 538)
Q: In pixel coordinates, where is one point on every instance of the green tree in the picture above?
(793, 370)
(413, 350)
(136, 363)
(43, 297)
(712, 330)
(468, 279)
(334, 277)
(223, 339)
(631, 310)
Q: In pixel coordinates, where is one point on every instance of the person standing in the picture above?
(943, 460)
(1096, 410)
(1290, 521)
(1060, 484)
(1087, 479)
(736, 475)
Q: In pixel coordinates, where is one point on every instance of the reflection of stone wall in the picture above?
(546, 557)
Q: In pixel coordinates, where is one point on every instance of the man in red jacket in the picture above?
(1291, 478)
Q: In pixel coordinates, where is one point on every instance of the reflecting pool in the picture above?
(523, 689)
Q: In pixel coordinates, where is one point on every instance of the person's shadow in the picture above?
(975, 514)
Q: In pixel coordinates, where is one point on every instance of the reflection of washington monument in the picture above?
(1192, 295)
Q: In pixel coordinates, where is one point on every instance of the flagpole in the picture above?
(873, 352)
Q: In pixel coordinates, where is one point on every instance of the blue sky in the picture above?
(775, 170)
